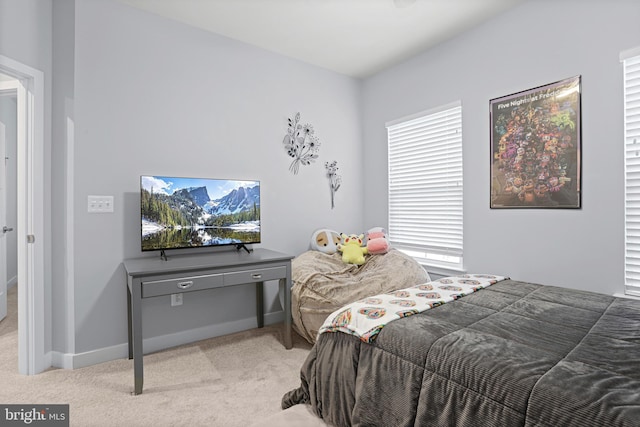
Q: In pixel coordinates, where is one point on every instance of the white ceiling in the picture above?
(353, 37)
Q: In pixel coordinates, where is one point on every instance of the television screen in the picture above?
(197, 212)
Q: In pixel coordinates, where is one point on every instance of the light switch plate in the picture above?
(100, 204)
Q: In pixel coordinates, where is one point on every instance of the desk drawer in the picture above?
(182, 284)
(257, 275)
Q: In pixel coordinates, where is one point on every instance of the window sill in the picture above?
(619, 295)
(441, 270)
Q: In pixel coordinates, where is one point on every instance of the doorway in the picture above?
(28, 84)
(8, 191)
(8, 204)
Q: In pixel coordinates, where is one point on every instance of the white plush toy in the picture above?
(325, 240)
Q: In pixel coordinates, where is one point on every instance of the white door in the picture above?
(3, 218)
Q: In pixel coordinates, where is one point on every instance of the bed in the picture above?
(511, 354)
(323, 283)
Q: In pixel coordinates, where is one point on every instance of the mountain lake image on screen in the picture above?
(198, 212)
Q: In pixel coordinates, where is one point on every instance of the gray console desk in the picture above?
(152, 277)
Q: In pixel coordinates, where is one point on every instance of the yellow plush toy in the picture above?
(352, 250)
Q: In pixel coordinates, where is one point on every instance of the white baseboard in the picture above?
(153, 344)
(61, 360)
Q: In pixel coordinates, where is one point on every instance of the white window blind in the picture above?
(631, 67)
(425, 186)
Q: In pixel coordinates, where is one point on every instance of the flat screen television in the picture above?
(179, 213)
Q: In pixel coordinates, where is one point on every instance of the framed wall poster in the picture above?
(535, 147)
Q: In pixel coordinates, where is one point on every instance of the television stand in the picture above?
(153, 277)
(242, 246)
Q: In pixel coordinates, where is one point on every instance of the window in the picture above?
(631, 69)
(425, 187)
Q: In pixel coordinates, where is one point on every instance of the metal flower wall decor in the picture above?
(334, 179)
(301, 143)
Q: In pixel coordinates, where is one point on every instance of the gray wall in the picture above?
(534, 44)
(62, 297)
(153, 96)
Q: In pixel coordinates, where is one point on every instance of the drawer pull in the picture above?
(185, 285)
(256, 276)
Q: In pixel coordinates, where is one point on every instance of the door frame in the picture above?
(29, 84)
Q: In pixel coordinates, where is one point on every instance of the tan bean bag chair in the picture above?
(322, 283)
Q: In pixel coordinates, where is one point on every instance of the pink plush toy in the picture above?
(377, 242)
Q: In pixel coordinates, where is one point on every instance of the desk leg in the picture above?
(129, 313)
(286, 289)
(260, 303)
(136, 319)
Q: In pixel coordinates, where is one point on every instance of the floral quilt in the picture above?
(365, 318)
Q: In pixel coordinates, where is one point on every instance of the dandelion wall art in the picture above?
(334, 179)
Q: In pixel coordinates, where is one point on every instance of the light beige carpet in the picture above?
(235, 380)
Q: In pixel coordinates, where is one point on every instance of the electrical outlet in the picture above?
(176, 299)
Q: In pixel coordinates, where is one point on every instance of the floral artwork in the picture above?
(535, 147)
(301, 143)
(334, 179)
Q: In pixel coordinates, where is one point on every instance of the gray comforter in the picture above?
(514, 354)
